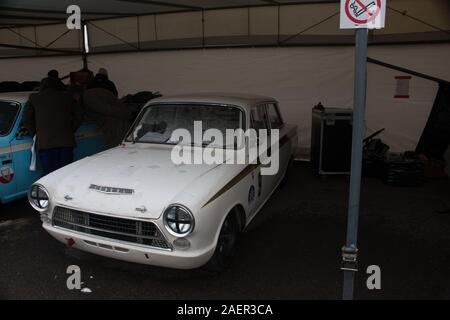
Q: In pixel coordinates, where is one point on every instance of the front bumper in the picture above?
(177, 259)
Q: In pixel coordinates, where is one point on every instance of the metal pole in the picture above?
(350, 251)
(84, 52)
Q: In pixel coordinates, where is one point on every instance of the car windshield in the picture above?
(8, 112)
(158, 122)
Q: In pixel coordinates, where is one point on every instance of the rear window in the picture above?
(8, 114)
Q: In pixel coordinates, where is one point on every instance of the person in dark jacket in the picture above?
(55, 75)
(54, 117)
(111, 115)
(101, 80)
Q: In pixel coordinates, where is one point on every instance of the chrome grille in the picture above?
(135, 231)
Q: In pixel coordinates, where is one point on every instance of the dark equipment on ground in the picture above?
(403, 170)
(374, 153)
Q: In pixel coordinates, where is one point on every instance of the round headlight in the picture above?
(38, 197)
(178, 220)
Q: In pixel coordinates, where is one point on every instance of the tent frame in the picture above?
(281, 40)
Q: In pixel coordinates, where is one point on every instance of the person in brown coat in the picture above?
(109, 113)
(54, 117)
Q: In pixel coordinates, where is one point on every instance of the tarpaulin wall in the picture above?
(299, 77)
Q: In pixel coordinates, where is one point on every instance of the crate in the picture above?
(331, 140)
(403, 169)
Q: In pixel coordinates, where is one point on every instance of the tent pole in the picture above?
(85, 40)
(350, 251)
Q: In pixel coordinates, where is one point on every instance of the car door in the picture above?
(9, 111)
(89, 140)
(7, 182)
(284, 144)
(21, 144)
(263, 187)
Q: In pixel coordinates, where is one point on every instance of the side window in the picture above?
(8, 113)
(274, 116)
(258, 117)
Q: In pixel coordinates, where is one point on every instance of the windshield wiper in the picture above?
(204, 144)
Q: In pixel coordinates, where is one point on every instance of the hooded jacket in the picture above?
(53, 116)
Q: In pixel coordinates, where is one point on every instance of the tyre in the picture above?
(226, 245)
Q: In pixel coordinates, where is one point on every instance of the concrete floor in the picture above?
(291, 251)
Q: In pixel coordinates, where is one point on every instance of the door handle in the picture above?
(6, 161)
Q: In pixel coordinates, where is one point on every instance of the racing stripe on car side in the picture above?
(241, 175)
(5, 150)
(15, 148)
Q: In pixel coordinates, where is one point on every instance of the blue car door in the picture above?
(8, 186)
(21, 156)
(9, 112)
(89, 140)
(15, 150)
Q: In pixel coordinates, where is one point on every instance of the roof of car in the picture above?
(21, 97)
(239, 99)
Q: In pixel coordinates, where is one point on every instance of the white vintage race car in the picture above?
(138, 202)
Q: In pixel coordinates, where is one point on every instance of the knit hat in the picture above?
(102, 71)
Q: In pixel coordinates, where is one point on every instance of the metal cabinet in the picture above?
(331, 140)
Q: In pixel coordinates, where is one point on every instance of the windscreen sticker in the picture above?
(6, 174)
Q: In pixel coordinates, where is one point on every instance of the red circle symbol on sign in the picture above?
(367, 9)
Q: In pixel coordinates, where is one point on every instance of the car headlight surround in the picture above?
(38, 197)
(178, 220)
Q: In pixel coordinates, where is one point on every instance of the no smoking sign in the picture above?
(368, 14)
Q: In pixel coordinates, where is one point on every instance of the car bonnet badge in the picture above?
(111, 190)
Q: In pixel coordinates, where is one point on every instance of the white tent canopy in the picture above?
(132, 25)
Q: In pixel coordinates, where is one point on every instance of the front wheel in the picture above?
(226, 245)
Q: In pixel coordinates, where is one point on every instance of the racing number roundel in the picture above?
(362, 11)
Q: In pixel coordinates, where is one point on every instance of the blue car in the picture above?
(15, 147)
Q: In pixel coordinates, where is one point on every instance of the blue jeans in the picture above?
(55, 158)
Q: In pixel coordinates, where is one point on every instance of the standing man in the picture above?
(55, 75)
(101, 80)
(54, 117)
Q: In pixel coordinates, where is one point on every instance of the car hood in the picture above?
(148, 171)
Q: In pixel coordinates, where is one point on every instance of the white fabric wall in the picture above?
(294, 76)
(298, 77)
